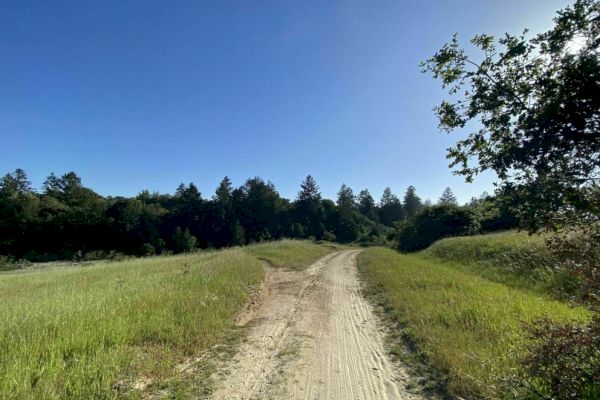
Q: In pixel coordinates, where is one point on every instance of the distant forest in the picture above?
(67, 220)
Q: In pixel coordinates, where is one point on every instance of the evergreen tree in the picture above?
(346, 199)
(308, 209)
(366, 203)
(224, 192)
(183, 240)
(16, 182)
(309, 190)
(412, 202)
(388, 197)
(390, 208)
(448, 197)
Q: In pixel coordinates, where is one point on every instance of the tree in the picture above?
(16, 182)
(390, 208)
(434, 223)
(308, 209)
(309, 190)
(224, 192)
(183, 240)
(412, 202)
(259, 208)
(537, 104)
(448, 197)
(63, 188)
(346, 199)
(366, 203)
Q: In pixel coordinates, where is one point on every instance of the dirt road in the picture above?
(314, 337)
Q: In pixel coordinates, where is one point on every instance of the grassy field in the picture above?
(468, 326)
(290, 253)
(89, 332)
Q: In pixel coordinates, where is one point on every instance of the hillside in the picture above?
(462, 306)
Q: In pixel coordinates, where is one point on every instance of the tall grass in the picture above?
(91, 331)
(512, 258)
(76, 332)
(470, 328)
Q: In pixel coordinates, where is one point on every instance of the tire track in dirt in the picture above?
(315, 337)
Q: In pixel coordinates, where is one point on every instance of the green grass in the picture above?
(512, 258)
(468, 327)
(295, 254)
(89, 332)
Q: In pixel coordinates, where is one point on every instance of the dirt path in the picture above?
(315, 337)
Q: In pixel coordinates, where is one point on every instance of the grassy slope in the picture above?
(512, 258)
(75, 332)
(469, 327)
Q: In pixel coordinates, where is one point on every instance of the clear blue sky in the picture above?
(137, 95)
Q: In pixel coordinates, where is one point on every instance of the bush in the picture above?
(183, 241)
(564, 363)
(147, 249)
(329, 237)
(579, 253)
(8, 263)
(434, 223)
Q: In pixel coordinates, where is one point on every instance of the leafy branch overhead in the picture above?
(535, 106)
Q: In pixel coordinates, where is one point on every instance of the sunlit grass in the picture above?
(513, 258)
(91, 331)
(295, 254)
(470, 328)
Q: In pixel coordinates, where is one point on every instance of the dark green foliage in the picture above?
(346, 199)
(183, 240)
(366, 205)
(147, 249)
(70, 221)
(537, 104)
(298, 231)
(390, 208)
(494, 213)
(434, 223)
(448, 197)
(412, 202)
(328, 236)
(564, 362)
(308, 209)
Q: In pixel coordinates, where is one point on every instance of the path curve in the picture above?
(315, 337)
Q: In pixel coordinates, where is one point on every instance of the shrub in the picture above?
(579, 253)
(7, 263)
(564, 362)
(183, 241)
(147, 249)
(434, 223)
(328, 236)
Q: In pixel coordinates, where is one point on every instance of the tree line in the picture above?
(67, 220)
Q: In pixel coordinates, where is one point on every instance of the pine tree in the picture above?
(412, 202)
(16, 182)
(308, 208)
(387, 197)
(366, 203)
(448, 197)
(390, 208)
(309, 190)
(346, 199)
(224, 191)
